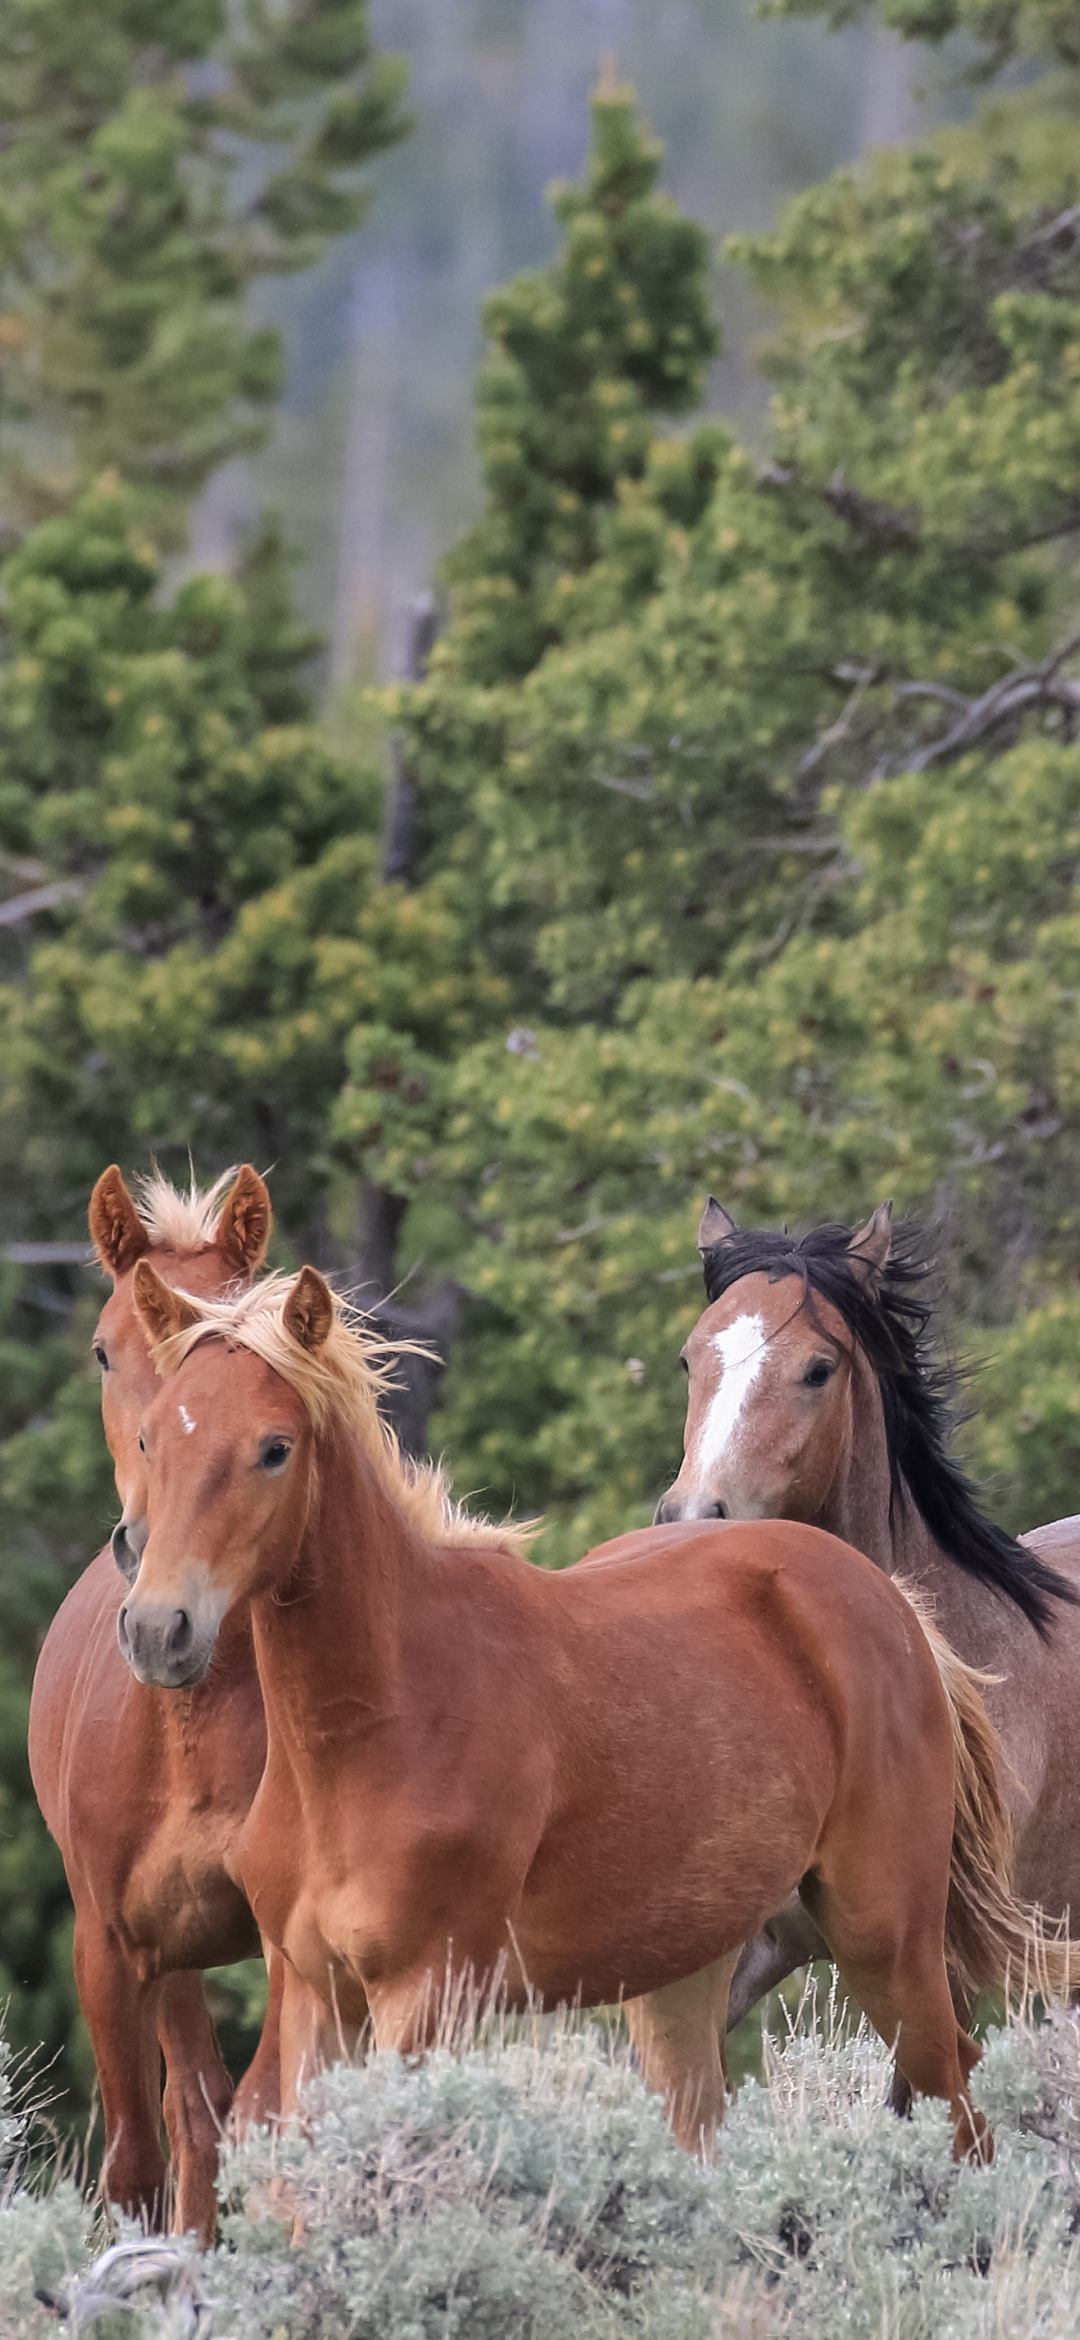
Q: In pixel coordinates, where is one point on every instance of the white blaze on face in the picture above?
(742, 1349)
(186, 1419)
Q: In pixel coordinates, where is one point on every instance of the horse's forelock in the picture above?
(181, 1222)
(341, 1380)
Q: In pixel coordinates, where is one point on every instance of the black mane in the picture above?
(918, 1394)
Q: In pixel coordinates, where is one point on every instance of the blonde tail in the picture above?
(992, 1940)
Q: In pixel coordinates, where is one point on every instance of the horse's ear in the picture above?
(163, 1311)
(243, 1230)
(716, 1226)
(870, 1250)
(309, 1309)
(116, 1230)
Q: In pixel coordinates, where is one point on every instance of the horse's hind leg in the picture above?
(789, 1940)
(897, 1973)
(678, 2033)
(198, 2094)
(120, 2015)
(901, 2093)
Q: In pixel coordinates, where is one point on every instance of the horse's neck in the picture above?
(896, 1537)
(328, 1647)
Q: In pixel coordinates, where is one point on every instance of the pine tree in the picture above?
(157, 157)
(186, 935)
(780, 828)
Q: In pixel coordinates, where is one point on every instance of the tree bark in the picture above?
(401, 835)
(433, 1322)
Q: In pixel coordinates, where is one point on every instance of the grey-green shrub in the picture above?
(533, 2190)
(528, 2189)
(525, 2188)
(863, 2225)
(44, 2236)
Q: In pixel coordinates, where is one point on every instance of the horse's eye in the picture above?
(101, 1356)
(817, 1374)
(275, 1456)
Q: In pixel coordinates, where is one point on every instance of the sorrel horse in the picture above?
(814, 1396)
(592, 1785)
(143, 1793)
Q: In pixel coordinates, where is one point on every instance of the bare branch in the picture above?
(839, 730)
(24, 906)
(641, 790)
(930, 690)
(32, 873)
(1025, 687)
(874, 522)
(49, 1255)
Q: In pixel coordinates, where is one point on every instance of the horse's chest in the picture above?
(180, 1905)
(370, 1904)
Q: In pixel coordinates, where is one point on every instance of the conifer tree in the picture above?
(185, 863)
(156, 158)
(779, 828)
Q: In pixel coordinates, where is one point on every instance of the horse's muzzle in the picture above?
(674, 1506)
(163, 1646)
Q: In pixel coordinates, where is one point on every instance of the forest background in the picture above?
(729, 841)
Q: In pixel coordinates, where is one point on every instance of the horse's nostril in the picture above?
(181, 1636)
(128, 1543)
(665, 1510)
(719, 1510)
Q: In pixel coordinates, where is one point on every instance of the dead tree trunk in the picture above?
(433, 1320)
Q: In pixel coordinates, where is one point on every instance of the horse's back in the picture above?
(795, 1603)
(1058, 1543)
(725, 1557)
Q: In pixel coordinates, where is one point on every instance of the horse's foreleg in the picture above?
(312, 2035)
(120, 2015)
(258, 2096)
(790, 1939)
(678, 2034)
(198, 2094)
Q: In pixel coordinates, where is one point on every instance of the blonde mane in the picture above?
(181, 1222)
(340, 1382)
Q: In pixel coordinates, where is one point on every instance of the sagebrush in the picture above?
(528, 2189)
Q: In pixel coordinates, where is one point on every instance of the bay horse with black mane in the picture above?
(587, 1787)
(144, 1794)
(814, 1395)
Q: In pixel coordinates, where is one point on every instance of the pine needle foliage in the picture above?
(157, 157)
(582, 356)
(773, 843)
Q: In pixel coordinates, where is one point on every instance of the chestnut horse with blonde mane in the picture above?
(813, 1396)
(144, 1793)
(587, 1787)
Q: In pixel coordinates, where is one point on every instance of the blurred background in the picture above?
(371, 460)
